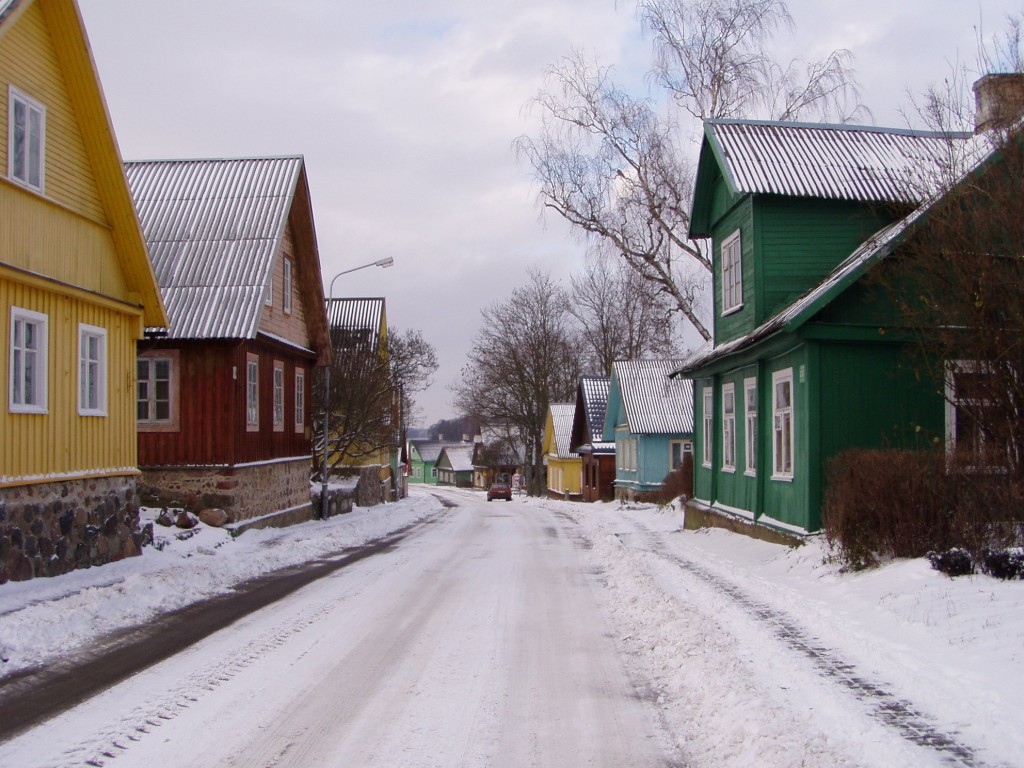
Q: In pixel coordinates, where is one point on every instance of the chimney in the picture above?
(998, 100)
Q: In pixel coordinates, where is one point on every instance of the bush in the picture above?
(881, 504)
(952, 562)
(677, 483)
(1004, 563)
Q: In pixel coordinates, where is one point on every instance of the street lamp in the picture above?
(384, 263)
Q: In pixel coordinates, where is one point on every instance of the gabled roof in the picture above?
(460, 456)
(68, 36)
(357, 323)
(651, 402)
(979, 153)
(560, 426)
(214, 228)
(588, 416)
(834, 162)
(430, 450)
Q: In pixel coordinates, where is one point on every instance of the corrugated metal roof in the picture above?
(595, 402)
(654, 403)
(213, 228)
(430, 450)
(561, 422)
(839, 162)
(355, 322)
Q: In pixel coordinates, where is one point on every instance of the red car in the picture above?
(499, 491)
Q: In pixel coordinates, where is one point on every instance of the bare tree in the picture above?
(522, 359)
(413, 361)
(713, 57)
(614, 170)
(621, 316)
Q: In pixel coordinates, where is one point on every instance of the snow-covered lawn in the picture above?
(753, 653)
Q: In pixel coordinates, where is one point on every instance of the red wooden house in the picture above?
(587, 438)
(224, 398)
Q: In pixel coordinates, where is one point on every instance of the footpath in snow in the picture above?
(753, 653)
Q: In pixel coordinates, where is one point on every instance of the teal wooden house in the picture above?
(806, 361)
(651, 418)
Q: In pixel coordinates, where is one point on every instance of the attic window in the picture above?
(26, 149)
(287, 285)
(732, 273)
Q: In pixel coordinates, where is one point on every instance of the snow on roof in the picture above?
(430, 450)
(460, 456)
(838, 162)
(561, 420)
(653, 402)
(594, 390)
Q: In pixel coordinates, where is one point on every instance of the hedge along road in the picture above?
(471, 640)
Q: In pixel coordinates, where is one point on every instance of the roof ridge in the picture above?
(916, 132)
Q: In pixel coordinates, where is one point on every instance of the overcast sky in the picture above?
(405, 111)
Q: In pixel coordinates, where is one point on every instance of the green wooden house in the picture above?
(423, 459)
(806, 361)
(650, 416)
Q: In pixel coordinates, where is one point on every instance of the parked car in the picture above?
(499, 491)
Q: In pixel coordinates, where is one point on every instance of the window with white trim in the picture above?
(632, 453)
(709, 420)
(252, 393)
(154, 390)
(300, 399)
(729, 427)
(26, 146)
(27, 361)
(967, 403)
(678, 449)
(783, 428)
(732, 273)
(750, 422)
(433, 471)
(278, 396)
(287, 285)
(92, 370)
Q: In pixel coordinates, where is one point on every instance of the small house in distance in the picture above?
(223, 399)
(455, 465)
(565, 467)
(587, 438)
(651, 417)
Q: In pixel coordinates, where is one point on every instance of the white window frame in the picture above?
(709, 423)
(750, 425)
(268, 300)
(151, 423)
(287, 300)
(36, 402)
(783, 428)
(954, 367)
(252, 393)
(678, 449)
(89, 367)
(729, 427)
(732, 273)
(278, 383)
(300, 399)
(16, 99)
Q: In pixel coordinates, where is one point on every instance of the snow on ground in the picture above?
(756, 653)
(46, 617)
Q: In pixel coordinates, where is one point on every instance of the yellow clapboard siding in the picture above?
(44, 238)
(61, 443)
(69, 175)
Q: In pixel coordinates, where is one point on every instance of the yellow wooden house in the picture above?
(565, 468)
(76, 294)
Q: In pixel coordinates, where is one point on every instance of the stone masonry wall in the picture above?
(51, 528)
(242, 492)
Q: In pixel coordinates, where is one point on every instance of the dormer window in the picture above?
(26, 149)
(732, 274)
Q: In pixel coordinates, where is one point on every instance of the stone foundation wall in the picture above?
(52, 528)
(243, 492)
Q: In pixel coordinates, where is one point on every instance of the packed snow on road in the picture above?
(531, 632)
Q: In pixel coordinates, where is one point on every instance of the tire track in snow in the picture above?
(884, 706)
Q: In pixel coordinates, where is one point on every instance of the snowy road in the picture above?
(476, 642)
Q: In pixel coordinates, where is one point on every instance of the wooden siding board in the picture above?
(61, 442)
(69, 173)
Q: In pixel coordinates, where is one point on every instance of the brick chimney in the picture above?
(998, 100)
